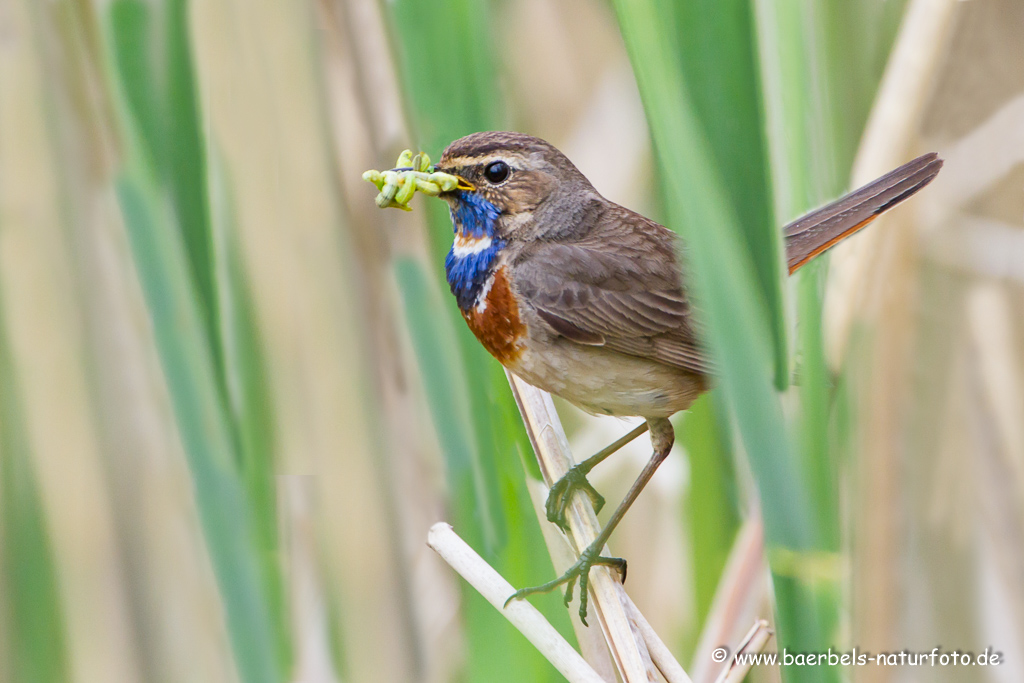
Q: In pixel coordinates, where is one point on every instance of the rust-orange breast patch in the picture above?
(496, 322)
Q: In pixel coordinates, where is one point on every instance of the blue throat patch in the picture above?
(474, 218)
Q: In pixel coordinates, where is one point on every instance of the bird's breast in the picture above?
(495, 319)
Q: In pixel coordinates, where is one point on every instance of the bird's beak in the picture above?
(463, 184)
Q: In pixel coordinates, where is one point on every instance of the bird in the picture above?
(588, 300)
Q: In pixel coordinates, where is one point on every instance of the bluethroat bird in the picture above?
(587, 300)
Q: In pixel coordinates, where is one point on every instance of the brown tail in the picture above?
(819, 230)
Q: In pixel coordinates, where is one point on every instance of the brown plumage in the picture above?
(604, 276)
(819, 230)
(586, 299)
(617, 285)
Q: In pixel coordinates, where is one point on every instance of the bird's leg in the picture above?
(662, 438)
(560, 493)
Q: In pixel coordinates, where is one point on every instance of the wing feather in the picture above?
(821, 229)
(618, 286)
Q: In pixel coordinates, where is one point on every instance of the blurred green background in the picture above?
(234, 395)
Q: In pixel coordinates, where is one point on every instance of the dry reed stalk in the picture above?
(870, 280)
(521, 614)
(264, 116)
(660, 654)
(739, 593)
(895, 116)
(551, 447)
(752, 643)
(591, 642)
(41, 302)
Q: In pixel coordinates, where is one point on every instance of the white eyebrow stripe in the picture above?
(468, 246)
(462, 161)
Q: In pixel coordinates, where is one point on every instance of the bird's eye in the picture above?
(496, 172)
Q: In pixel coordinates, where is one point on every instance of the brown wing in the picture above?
(617, 286)
(821, 229)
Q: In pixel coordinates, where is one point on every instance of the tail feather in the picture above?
(819, 230)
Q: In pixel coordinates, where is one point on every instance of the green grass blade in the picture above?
(712, 507)
(167, 121)
(442, 372)
(204, 209)
(184, 158)
(248, 398)
(35, 648)
(452, 92)
(720, 269)
(718, 62)
(496, 651)
(809, 68)
(448, 103)
(816, 100)
(184, 332)
(718, 59)
(721, 277)
(448, 71)
(852, 46)
(819, 460)
(206, 435)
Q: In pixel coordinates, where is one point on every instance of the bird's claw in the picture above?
(578, 571)
(560, 495)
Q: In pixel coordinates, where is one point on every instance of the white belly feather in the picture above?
(606, 382)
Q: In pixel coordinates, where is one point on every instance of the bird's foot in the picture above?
(560, 495)
(579, 571)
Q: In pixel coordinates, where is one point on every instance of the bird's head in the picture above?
(509, 184)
